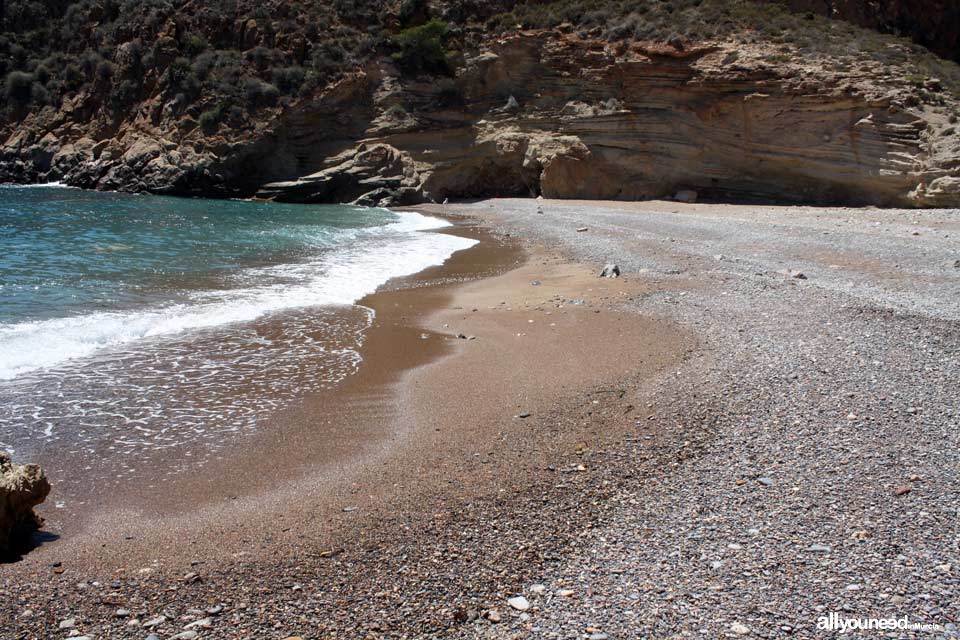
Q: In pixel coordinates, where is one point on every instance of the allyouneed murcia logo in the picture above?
(840, 624)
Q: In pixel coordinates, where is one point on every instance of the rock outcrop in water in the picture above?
(22, 487)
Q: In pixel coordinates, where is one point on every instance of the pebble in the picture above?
(121, 613)
(69, 623)
(767, 482)
(186, 635)
(739, 628)
(494, 616)
(153, 622)
(820, 548)
(203, 623)
(519, 603)
(538, 589)
(523, 414)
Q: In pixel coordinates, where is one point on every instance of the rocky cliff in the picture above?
(556, 114)
(566, 112)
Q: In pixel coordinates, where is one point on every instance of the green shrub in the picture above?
(181, 79)
(210, 119)
(422, 48)
(18, 87)
(413, 11)
(105, 70)
(39, 94)
(259, 93)
(73, 77)
(288, 79)
(194, 44)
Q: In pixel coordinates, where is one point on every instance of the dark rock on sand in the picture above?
(610, 271)
(22, 487)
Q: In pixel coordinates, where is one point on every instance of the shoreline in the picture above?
(412, 333)
(454, 439)
(663, 482)
(284, 448)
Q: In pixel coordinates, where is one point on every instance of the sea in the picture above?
(137, 325)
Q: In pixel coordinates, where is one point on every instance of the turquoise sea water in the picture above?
(68, 251)
(136, 324)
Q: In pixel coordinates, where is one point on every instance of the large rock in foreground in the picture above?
(22, 487)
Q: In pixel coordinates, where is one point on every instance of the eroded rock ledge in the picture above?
(557, 114)
(22, 487)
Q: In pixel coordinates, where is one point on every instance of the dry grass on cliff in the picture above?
(224, 65)
(791, 36)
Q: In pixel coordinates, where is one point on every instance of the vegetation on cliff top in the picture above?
(219, 63)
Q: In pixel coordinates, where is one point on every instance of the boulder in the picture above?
(365, 174)
(22, 487)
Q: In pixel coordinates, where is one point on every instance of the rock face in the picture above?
(369, 174)
(594, 120)
(562, 115)
(22, 487)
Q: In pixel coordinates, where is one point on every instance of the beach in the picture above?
(756, 423)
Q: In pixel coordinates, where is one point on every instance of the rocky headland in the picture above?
(811, 111)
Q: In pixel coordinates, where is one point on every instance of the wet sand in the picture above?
(429, 416)
(446, 463)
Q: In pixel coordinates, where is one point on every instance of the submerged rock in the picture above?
(22, 487)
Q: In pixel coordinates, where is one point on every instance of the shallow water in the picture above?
(133, 327)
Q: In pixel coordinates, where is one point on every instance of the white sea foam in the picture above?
(37, 185)
(340, 276)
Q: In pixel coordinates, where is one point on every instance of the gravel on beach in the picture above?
(809, 460)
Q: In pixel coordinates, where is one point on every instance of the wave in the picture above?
(339, 276)
(37, 185)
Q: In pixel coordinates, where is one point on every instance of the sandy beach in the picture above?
(755, 424)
